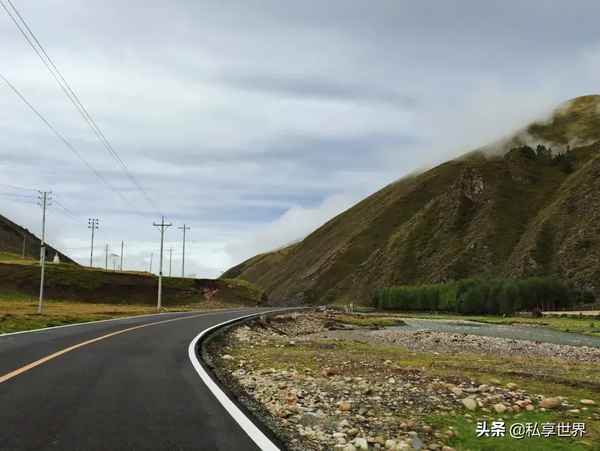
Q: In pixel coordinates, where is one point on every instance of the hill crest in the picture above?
(529, 210)
(16, 239)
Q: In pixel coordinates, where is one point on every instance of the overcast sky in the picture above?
(254, 122)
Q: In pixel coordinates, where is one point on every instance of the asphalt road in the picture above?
(136, 390)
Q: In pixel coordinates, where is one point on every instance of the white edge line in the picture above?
(257, 436)
(50, 328)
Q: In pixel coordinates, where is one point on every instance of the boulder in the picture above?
(361, 443)
(550, 403)
(500, 408)
(470, 403)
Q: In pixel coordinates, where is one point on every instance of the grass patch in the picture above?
(369, 321)
(18, 312)
(9, 257)
(543, 375)
(79, 284)
(466, 438)
(246, 289)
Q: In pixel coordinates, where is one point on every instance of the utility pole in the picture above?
(170, 259)
(44, 202)
(113, 258)
(162, 226)
(151, 255)
(122, 244)
(92, 224)
(106, 258)
(184, 228)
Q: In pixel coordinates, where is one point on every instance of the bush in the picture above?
(482, 296)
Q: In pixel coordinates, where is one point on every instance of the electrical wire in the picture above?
(65, 210)
(65, 141)
(18, 196)
(71, 95)
(17, 187)
(59, 204)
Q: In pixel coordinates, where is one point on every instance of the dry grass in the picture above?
(369, 320)
(19, 312)
(9, 257)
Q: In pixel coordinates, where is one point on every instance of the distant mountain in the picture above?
(528, 205)
(12, 237)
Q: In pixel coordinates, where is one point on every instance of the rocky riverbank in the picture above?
(324, 384)
(430, 341)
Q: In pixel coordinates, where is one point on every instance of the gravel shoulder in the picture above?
(325, 381)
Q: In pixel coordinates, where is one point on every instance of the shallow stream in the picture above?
(518, 332)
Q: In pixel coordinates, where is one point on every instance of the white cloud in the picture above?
(295, 224)
(240, 119)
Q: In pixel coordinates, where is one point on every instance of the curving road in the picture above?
(135, 389)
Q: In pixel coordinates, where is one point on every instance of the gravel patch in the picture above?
(424, 340)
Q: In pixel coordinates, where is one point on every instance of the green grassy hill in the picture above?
(515, 213)
(20, 278)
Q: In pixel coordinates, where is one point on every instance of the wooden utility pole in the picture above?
(44, 202)
(92, 224)
(162, 226)
(184, 228)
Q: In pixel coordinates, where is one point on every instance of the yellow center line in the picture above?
(43, 360)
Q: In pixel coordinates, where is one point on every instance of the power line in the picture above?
(72, 96)
(32, 197)
(65, 210)
(19, 198)
(19, 195)
(62, 138)
(18, 187)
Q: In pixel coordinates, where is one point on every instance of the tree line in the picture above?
(564, 159)
(483, 296)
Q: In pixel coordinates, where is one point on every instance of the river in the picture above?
(517, 332)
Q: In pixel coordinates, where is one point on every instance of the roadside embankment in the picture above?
(76, 283)
(76, 294)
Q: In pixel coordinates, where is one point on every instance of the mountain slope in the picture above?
(504, 210)
(11, 240)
